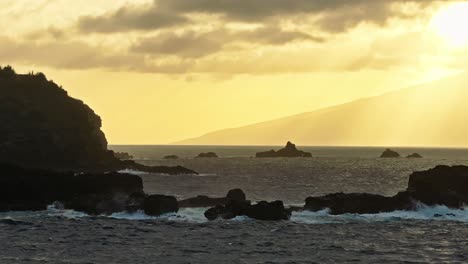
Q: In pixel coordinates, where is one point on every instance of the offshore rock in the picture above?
(290, 151)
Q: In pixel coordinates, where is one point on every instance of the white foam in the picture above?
(195, 215)
(429, 213)
(133, 172)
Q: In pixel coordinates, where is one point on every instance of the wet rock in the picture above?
(442, 185)
(236, 195)
(156, 205)
(205, 201)
(414, 156)
(176, 170)
(173, 157)
(33, 190)
(266, 211)
(290, 151)
(202, 201)
(358, 203)
(207, 155)
(388, 153)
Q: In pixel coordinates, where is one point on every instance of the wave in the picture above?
(423, 212)
(133, 172)
(196, 215)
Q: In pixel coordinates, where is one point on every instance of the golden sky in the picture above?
(159, 71)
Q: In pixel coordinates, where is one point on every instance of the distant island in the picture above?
(388, 153)
(210, 155)
(290, 151)
(374, 121)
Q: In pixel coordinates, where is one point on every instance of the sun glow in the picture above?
(451, 24)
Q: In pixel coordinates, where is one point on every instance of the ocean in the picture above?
(62, 236)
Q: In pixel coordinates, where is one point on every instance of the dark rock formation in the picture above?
(414, 156)
(32, 190)
(207, 155)
(235, 204)
(388, 153)
(202, 201)
(290, 151)
(171, 157)
(130, 164)
(43, 127)
(205, 201)
(156, 205)
(442, 185)
(123, 156)
(266, 211)
(359, 203)
(236, 195)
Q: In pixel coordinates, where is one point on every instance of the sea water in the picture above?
(430, 234)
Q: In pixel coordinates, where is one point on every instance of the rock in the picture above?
(442, 185)
(33, 190)
(130, 164)
(207, 155)
(388, 153)
(236, 195)
(358, 203)
(215, 212)
(123, 156)
(42, 127)
(205, 201)
(414, 156)
(156, 205)
(202, 201)
(171, 157)
(266, 211)
(290, 151)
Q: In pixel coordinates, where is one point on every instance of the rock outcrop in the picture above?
(43, 127)
(206, 201)
(265, 211)
(235, 204)
(160, 204)
(32, 190)
(290, 151)
(388, 153)
(95, 194)
(442, 185)
(358, 203)
(207, 155)
(414, 156)
(171, 157)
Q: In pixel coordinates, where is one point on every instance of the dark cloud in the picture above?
(196, 45)
(189, 44)
(334, 15)
(131, 18)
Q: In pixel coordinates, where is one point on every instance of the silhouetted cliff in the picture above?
(43, 127)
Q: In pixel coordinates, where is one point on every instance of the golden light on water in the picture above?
(451, 24)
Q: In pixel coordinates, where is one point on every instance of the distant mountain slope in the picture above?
(433, 114)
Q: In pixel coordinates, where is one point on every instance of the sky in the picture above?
(160, 71)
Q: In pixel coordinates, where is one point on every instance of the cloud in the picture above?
(131, 18)
(79, 55)
(188, 44)
(333, 15)
(191, 44)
